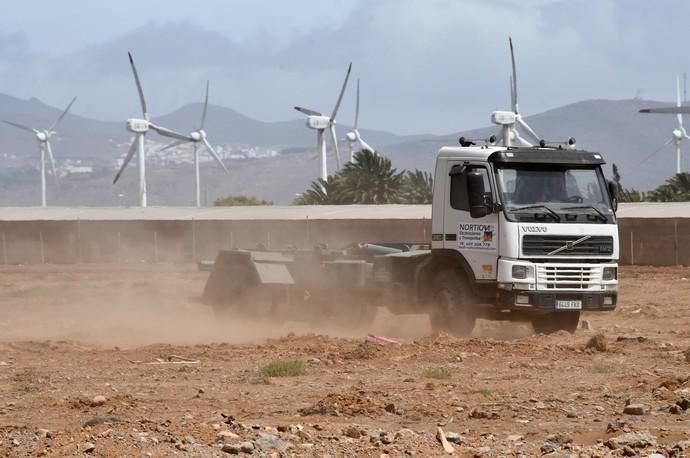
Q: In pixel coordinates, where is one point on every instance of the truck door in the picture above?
(475, 238)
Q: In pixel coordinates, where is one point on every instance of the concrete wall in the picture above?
(644, 241)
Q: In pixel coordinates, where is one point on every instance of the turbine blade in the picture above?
(362, 143)
(679, 116)
(51, 160)
(357, 106)
(342, 92)
(213, 153)
(520, 139)
(172, 145)
(203, 114)
(334, 137)
(667, 110)
(514, 99)
(62, 115)
(144, 110)
(308, 112)
(528, 129)
(20, 126)
(169, 133)
(130, 154)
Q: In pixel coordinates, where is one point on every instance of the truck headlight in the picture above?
(609, 273)
(520, 272)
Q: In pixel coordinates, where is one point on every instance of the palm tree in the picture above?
(676, 189)
(371, 179)
(419, 187)
(321, 193)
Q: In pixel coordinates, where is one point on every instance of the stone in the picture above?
(87, 447)
(586, 325)
(635, 409)
(515, 438)
(386, 438)
(655, 455)
(106, 420)
(548, 448)
(405, 433)
(683, 403)
(454, 438)
(269, 441)
(232, 449)
(191, 440)
(682, 446)
(140, 437)
(352, 431)
(225, 436)
(636, 439)
(98, 401)
(247, 447)
(596, 343)
(44, 433)
(392, 408)
(478, 413)
(559, 439)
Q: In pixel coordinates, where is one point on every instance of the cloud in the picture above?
(434, 66)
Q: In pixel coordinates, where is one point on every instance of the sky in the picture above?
(426, 66)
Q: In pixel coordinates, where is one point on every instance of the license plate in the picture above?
(568, 305)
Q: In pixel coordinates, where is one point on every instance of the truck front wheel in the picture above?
(453, 305)
(557, 321)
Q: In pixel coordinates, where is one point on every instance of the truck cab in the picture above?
(530, 231)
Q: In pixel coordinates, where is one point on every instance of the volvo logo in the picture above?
(534, 228)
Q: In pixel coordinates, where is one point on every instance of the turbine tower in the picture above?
(353, 136)
(139, 127)
(43, 137)
(320, 123)
(678, 134)
(509, 120)
(196, 137)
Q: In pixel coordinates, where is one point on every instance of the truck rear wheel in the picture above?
(557, 321)
(453, 305)
(232, 298)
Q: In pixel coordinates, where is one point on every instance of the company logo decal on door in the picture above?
(473, 236)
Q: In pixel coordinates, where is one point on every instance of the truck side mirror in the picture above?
(476, 195)
(613, 192)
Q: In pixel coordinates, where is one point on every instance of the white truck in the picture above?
(518, 233)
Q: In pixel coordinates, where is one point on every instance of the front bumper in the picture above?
(547, 300)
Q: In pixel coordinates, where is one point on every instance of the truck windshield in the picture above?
(547, 191)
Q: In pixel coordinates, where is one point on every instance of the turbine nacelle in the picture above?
(678, 134)
(351, 137)
(43, 136)
(504, 118)
(197, 135)
(319, 122)
(138, 126)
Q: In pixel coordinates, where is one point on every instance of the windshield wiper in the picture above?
(549, 210)
(599, 213)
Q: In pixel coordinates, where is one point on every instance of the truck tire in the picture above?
(233, 298)
(557, 321)
(453, 305)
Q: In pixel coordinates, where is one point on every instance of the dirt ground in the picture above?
(127, 362)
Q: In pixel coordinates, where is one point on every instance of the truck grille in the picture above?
(567, 277)
(542, 245)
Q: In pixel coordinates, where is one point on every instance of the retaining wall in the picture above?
(643, 241)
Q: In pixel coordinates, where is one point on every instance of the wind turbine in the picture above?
(353, 136)
(139, 127)
(196, 137)
(320, 123)
(510, 120)
(678, 134)
(43, 138)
